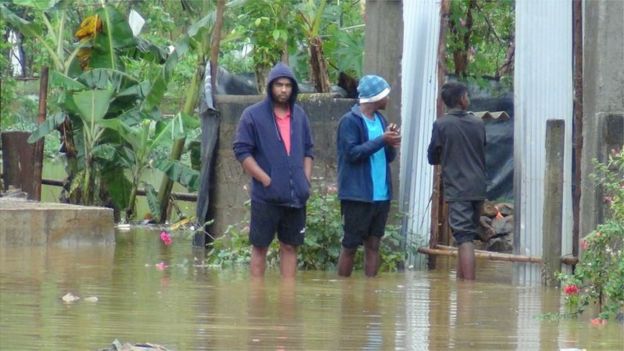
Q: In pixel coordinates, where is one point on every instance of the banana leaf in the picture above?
(60, 80)
(116, 34)
(149, 51)
(43, 5)
(159, 87)
(91, 105)
(104, 152)
(45, 128)
(105, 78)
(152, 200)
(179, 172)
(117, 185)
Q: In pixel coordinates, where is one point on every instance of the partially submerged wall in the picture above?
(230, 187)
(27, 223)
(603, 98)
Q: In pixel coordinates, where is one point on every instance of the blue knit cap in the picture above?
(372, 88)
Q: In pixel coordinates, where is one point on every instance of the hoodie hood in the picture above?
(280, 70)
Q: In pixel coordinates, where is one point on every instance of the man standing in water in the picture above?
(366, 145)
(458, 145)
(274, 145)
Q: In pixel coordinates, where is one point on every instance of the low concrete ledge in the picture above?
(24, 223)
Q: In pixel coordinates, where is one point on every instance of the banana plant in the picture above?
(309, 17)
(91, 106)
(141, 139)
(98, 97)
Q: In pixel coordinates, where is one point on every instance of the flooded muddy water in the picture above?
(184, 305)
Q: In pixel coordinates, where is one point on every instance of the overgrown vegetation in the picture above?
(480, 42)
(598, 280)
(322, 245)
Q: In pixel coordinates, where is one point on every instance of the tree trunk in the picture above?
(318, 66)
(460, 57)
(262, 73)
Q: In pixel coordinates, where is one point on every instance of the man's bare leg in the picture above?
(258, 261)
(288, 260)
(371, 256)
(345, 262)
(466, 261)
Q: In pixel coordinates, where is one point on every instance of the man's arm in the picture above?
(433, 151)
(356, 150)
(307, 168)
(252, 168)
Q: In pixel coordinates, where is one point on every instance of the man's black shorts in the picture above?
(361, 220)
(266, 219)
(464, 220)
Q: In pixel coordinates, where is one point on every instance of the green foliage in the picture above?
(273, 29)
(490, 36)
(599, 277)
(321, 246)
(342, 29)
(116, 124)
(322, 243)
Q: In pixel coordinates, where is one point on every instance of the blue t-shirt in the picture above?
(377, 161)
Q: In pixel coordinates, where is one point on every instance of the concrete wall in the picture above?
(383, 52)
(603, 96)
(229, 193)
(26, 223)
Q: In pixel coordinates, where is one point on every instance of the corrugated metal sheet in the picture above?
(421, 20)
(543, 90)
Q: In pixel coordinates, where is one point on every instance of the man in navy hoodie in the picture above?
(366, 145)
(274, 145)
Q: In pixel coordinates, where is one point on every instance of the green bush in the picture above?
(321, 247)
(598, 279)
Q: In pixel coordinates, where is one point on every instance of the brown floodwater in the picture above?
(188, 306)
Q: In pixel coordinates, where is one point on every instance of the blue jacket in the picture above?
(258, 136)
(354, 151)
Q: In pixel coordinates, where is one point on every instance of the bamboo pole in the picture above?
(482, 254)
(443, 250)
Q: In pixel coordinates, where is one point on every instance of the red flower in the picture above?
(584, 245)
(571, 289)
(166, 238)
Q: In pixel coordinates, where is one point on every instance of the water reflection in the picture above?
(188, 306)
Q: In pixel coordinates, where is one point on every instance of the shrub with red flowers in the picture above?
(598, 279)
(571, 289)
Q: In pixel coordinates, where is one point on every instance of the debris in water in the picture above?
(69, 298)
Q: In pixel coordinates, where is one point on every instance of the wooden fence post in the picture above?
(553, 200)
